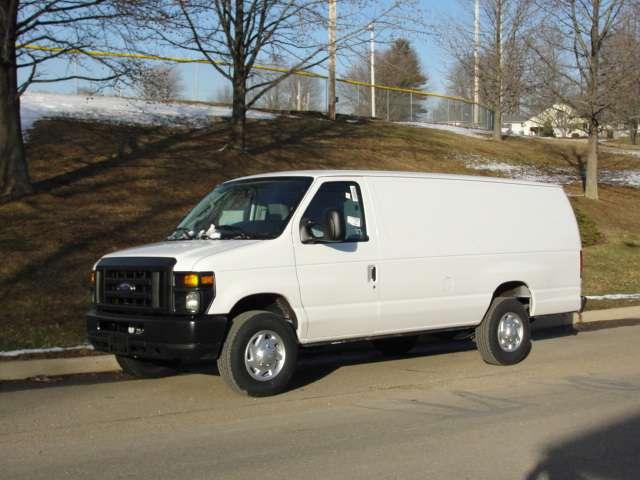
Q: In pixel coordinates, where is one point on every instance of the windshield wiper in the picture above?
(234, 232)
(185, 234)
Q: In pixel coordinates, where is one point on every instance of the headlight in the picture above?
(193, 292)
(192, 302)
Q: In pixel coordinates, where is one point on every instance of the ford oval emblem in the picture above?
(125, 287)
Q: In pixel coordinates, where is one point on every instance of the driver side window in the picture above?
(346, 199)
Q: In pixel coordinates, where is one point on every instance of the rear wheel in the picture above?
(395, 345)
(259, 355)
(503, 337)
(145, 368)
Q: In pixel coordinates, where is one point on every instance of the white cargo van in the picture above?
(266, 264)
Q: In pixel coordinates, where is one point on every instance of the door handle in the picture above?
(372, 273)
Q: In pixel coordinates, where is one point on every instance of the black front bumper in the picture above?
(184, 338)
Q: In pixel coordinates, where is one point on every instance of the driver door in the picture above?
(338, 280)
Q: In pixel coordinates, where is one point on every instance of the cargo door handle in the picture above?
(372, 273)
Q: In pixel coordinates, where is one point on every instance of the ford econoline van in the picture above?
(267, 264)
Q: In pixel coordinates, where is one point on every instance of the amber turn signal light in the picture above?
(206, 279)
(191, 280)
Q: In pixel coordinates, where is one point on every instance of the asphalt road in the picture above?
(571, 410)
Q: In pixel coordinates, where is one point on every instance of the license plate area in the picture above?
(119, 343)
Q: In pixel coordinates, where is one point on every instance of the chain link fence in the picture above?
(196, 81)
(405, 105)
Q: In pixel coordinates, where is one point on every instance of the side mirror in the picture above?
(330, 231)
(334, 230)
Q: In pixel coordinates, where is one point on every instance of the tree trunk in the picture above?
(591, 181)
(497, 124)
(239, 54)
(14, 174)
(239, 111)
(633, 132)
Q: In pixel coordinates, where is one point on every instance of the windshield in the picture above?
(244, 209)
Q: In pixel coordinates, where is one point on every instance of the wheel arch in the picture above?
(273, 302)
(517, 289)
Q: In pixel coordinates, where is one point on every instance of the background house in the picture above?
(559, 120)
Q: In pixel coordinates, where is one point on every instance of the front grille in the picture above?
(131, 288)
(137, 284)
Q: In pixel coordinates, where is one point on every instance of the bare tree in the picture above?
(300, 92)
(505, 26)
(585, 27)
(233, 35)
(158, 84)
(544, 78)
(622, 54)
(66, 26)
(460, 78)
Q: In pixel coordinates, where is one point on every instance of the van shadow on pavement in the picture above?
(608, 452)
(316, 363)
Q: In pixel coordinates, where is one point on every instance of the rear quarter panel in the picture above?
(446, 245)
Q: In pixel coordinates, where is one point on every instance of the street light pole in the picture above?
(331, 91)
(476, 67)
(372, 62)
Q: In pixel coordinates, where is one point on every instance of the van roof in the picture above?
(395, 174)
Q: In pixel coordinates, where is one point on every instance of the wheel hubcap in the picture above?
(510, 332)
(264, 355)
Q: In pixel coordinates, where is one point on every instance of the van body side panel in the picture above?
(446, 245)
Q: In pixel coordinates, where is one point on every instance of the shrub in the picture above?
(547, 130)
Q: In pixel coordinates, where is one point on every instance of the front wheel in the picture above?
(144, 368)
(503, 337)
(259, 355)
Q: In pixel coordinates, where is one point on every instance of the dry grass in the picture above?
(102, 187)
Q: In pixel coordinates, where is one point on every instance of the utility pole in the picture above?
(195, 81)
(331, 90)
(476, 67)
(372, 49)
(497, 114)
(75, 74)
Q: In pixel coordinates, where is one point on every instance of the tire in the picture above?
(511, 350)
(395, 346)
(248, 370)
(144, 368)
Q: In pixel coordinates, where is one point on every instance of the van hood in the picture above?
(187, 253)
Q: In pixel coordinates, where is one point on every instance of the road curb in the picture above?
(22, 369)
(50, 367)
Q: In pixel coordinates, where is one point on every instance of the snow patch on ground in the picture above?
(562, 176)
(622, 151)
(35, 106)
(31, 351)
(629, 178)
(519, 172)
(615, 296)
(468, 132)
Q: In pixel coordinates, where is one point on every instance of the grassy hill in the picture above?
(102, 187)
